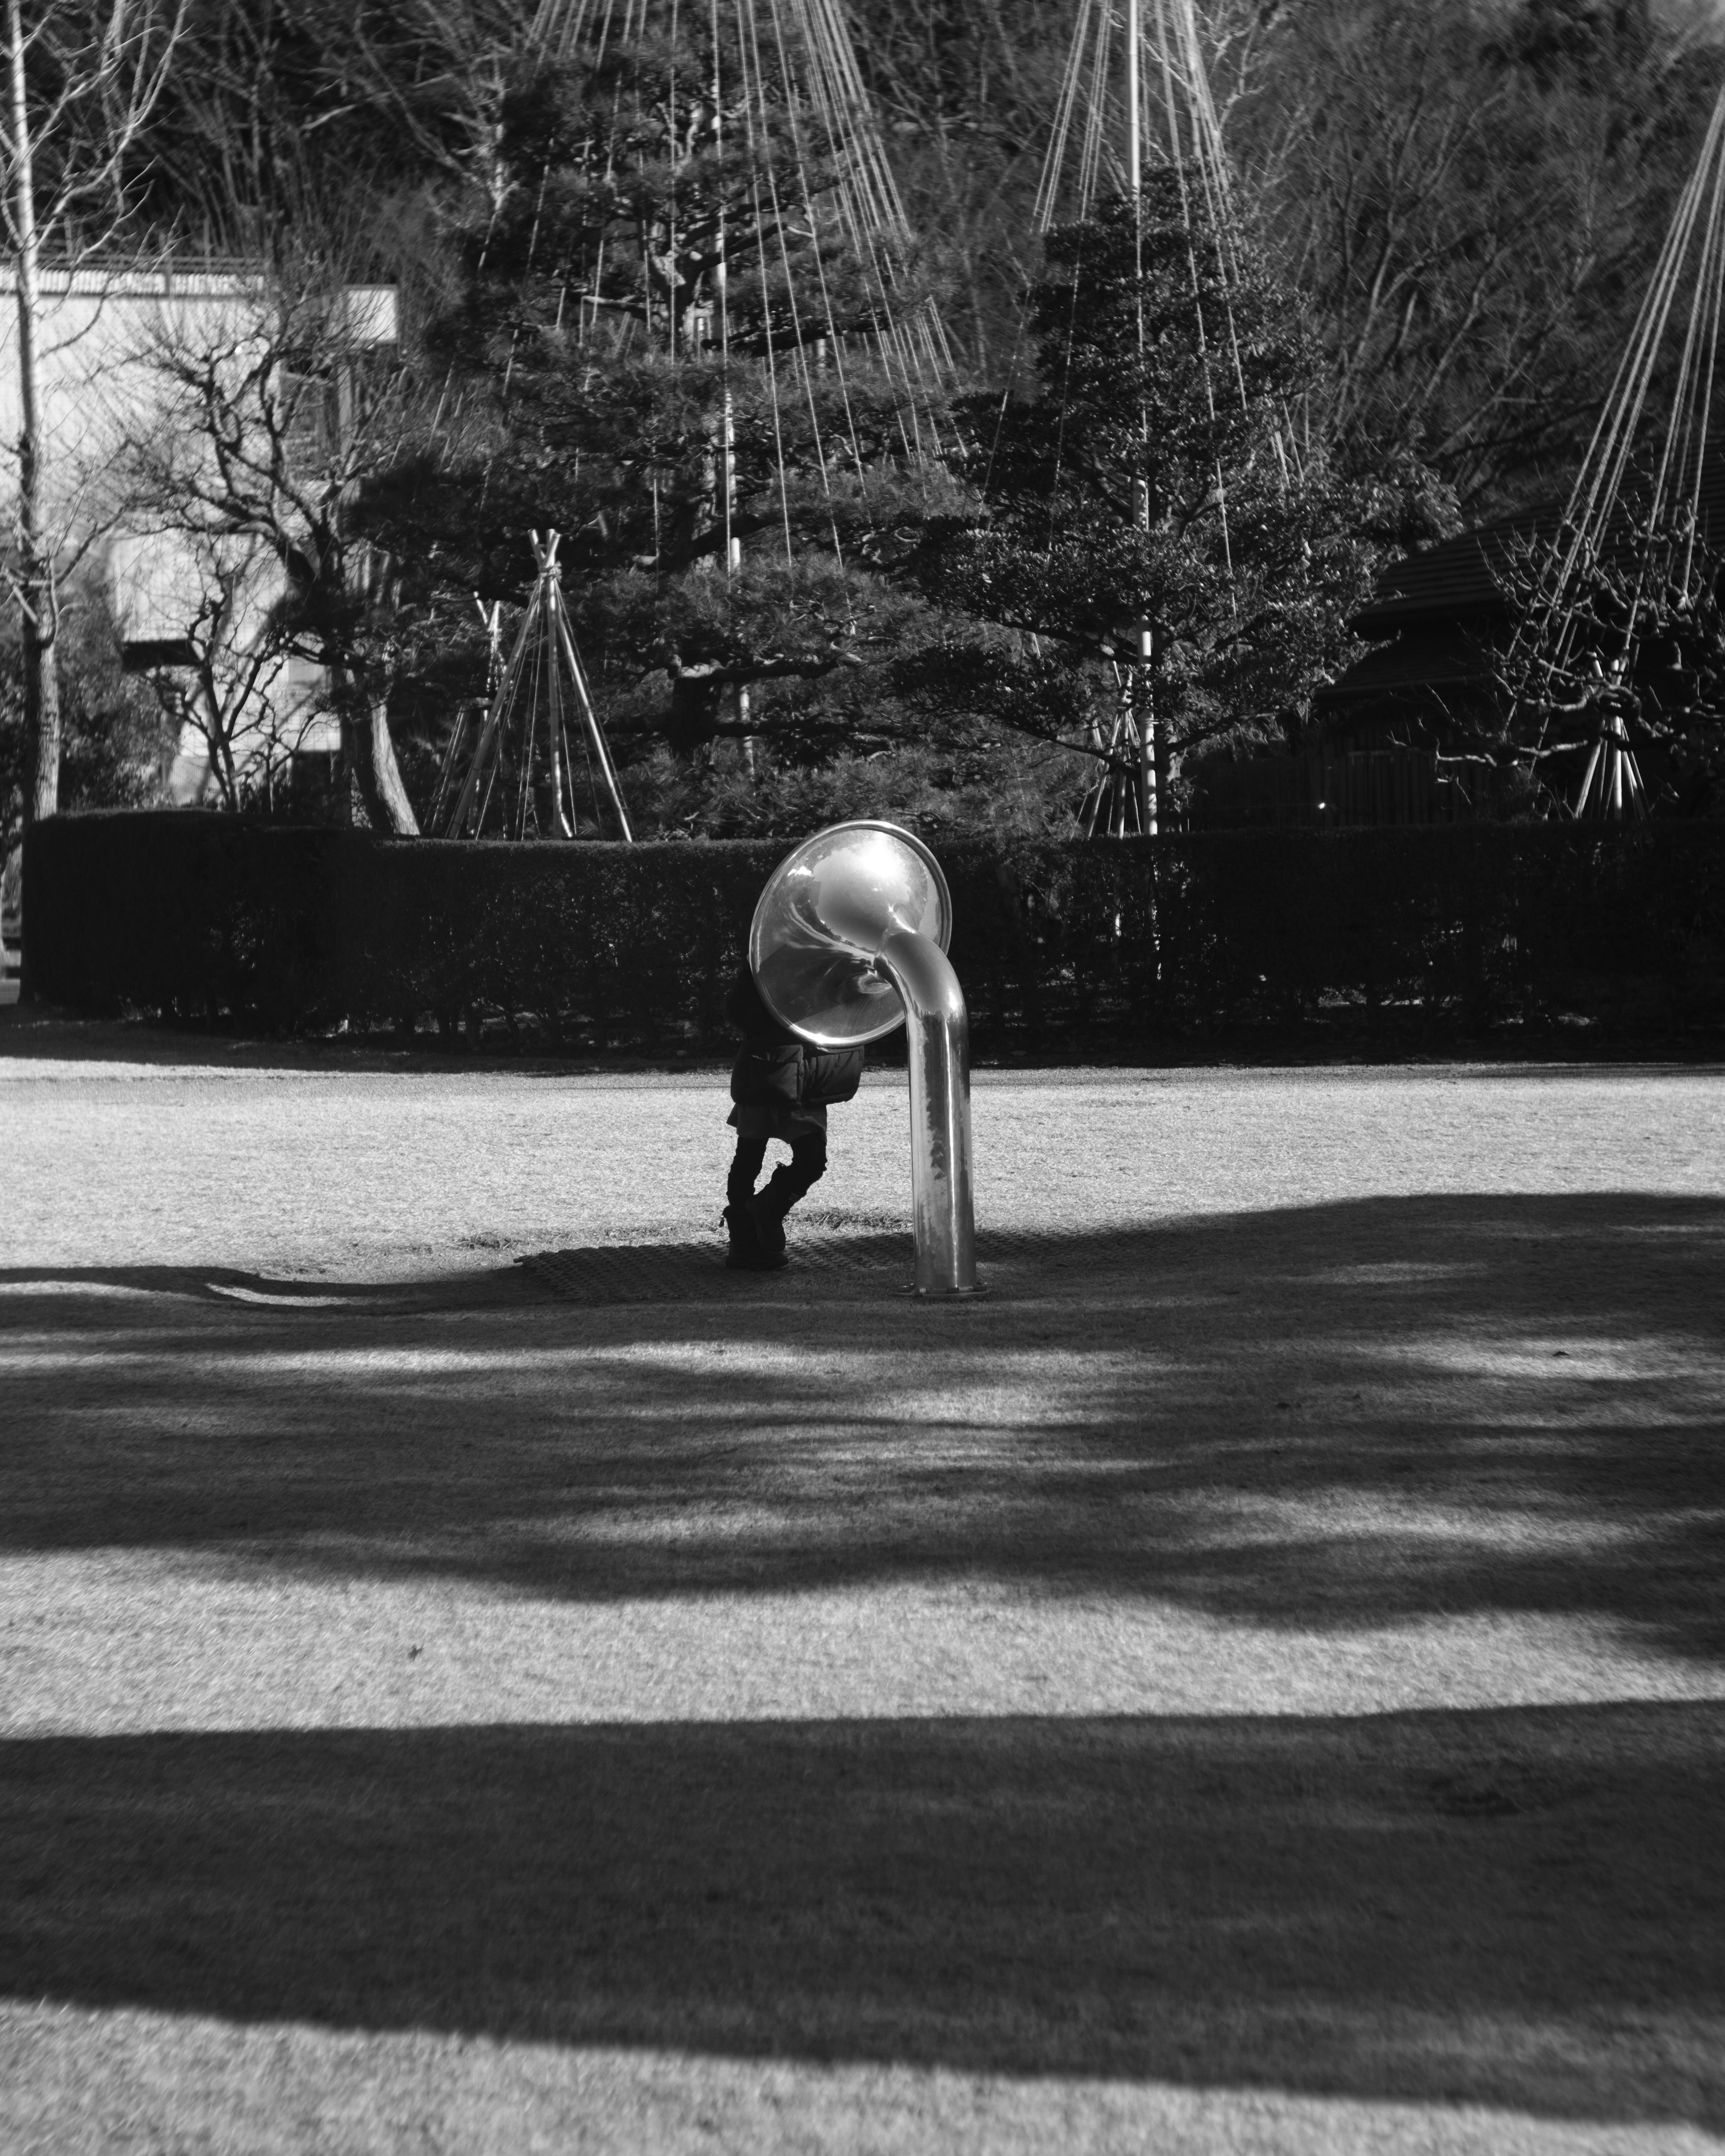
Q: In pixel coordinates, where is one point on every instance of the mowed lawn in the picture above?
(1256, 1682)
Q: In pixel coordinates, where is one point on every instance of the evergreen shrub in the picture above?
(1408, 935)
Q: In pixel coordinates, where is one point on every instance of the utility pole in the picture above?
(36, 593)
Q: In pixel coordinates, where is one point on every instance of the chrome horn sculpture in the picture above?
(849, 940)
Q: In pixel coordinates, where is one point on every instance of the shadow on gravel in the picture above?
(1519, 1907)
(1336, 1415)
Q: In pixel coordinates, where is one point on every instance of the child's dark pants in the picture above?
(806, 1166)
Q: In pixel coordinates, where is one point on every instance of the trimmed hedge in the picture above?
(1419, 934)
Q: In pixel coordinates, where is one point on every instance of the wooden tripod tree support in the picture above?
(518, 775)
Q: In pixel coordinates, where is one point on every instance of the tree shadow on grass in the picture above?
(1522, 1908)
(28, 1288)
(1336, 1415)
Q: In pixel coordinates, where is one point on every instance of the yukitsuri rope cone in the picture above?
(1638, 515)
(1135, 95)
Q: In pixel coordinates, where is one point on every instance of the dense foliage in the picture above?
(1149, 513)
(1447, 212)
(718, 475)
(1391, 937)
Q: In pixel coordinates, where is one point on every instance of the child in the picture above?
(782, 1090)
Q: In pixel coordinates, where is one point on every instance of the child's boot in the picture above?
(745, 1254)
(747, 1251)
(769, 1224)
(766, 1210)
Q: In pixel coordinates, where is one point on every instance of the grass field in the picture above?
(1256, 1682)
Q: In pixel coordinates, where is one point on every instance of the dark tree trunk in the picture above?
(373, 789)
(43, 728)
(42, 686)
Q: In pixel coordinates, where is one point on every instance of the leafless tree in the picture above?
(273, 409)
(226, 688)
(82, 80)
(1468, 219)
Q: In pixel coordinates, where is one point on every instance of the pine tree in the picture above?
(1147, 527)
(667, 345)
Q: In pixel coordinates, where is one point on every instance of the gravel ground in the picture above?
(1259, 1686)
(382, 1175)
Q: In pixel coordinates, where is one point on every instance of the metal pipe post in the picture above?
(937, 1029)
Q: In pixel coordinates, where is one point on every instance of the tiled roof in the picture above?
(1432, 654)
(1455, 578)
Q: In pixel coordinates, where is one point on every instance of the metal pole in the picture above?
(937, 1029)
(1140, 690)
(1134, 100)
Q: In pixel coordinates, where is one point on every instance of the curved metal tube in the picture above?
(937, 1029)
(856, 910)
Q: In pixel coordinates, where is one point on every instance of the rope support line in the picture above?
(1607, 517)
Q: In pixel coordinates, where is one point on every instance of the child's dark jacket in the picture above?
(783, 1088)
